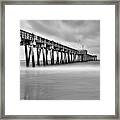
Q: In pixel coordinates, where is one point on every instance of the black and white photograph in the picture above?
(59, 59)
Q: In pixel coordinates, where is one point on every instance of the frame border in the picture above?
(2, 60)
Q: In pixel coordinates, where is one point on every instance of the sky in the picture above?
(77, 34)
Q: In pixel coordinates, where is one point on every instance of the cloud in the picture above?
(68, 32)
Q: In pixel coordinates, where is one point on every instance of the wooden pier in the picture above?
(64, 54)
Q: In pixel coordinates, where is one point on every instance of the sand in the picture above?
(75, 81)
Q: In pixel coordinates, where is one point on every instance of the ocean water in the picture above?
(75, 81)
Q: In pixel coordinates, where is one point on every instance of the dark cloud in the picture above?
(70, 32)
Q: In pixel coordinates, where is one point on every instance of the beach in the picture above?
(75, 81)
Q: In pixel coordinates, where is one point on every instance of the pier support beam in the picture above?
(33, 59)
(29, 55)
(26, 55)
(68, 57)
(52, 56)
(78, 58)
(46, 56)
(65, 60)
(82, 59)
(57, 62)
(38, 55)
(71, 57)
(61, 59)
(43, 56)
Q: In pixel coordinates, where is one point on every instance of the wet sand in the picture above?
(76, 81)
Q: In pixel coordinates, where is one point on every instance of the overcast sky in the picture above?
(73, 33)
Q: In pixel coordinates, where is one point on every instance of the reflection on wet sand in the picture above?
(78, 81)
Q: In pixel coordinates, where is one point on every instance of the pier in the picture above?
(64, 54)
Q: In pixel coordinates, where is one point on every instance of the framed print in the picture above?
(59, 59)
